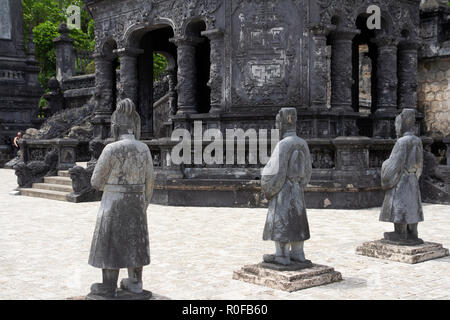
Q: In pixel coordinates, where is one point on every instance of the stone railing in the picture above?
(36, 150)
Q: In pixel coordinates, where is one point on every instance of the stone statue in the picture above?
(124, 172)
(283, 179)
(399, 177)
(35, 171)
(81, 177)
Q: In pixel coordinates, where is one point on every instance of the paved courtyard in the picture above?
(44, 248)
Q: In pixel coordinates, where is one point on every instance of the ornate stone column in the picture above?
(341, 69)
(319, 72)
(386, 74)
(216, 74)
(187, 74)
(387, 82)
(173, 96)
(129, 73)
(407, 74)
(103, 95)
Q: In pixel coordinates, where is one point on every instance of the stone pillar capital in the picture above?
(64, 37)
(321, 29)
(385, 41)
(186, 41)
(410, 45)
(128, 52)
(346, 34)
(213, 34)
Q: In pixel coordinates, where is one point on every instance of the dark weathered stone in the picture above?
(19, 87)
(263, 56)
(124, 172)
(123, 295)
(35, 171)
(400, 178)
(282, 181)
(294, 266)
(81, 177)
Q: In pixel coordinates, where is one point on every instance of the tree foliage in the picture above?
(44, 17)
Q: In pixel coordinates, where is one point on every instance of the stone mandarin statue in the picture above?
(400, 178)
(124, 172)
(283, 179)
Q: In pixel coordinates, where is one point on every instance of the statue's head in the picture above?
(125, 120)
(405, 122)
(286, 121)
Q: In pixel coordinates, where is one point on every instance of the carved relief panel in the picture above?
(266, 52)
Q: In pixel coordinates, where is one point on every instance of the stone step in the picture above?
(42, 193)
(58, 180)
(63, 173)
(53, 187)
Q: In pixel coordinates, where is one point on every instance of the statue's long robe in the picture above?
(283, 179)
(125, 173)
(400, 177)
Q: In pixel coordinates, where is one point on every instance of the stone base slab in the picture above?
(123, 295)
(290, 281)
(401, 253)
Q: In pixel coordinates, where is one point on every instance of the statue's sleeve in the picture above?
(306, 157)
(419, 159)
(149, 179)
(392, 168)
(274, 173)
(102, 170)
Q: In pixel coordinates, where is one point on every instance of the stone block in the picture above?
(402, 253)
(123, 295)
(290, 281)
(429, 96)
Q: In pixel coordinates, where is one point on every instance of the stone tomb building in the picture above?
(19, 88)
(235, 63)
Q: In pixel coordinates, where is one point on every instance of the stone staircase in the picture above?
(54, 188)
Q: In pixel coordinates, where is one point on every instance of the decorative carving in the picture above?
(407, 75)
(322, 158)
(81, 177)
(187, 75)
(399, 16)
(35, 171)
(387, 73)
(216, 73)
(266, 56)
(341, 69)
(319, 74)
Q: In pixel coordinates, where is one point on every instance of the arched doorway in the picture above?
(202, 65)
(153, 43)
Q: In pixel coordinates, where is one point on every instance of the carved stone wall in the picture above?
(434, 95)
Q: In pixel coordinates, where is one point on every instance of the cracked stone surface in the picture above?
(44, 249)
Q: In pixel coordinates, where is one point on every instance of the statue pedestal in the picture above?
(290, 281)
(123, 295)
(402, 253)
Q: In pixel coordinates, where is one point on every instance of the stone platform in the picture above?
(123, 295)
(402, 253)
(290, 281)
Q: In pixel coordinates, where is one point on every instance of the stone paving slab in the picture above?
(44, 249)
